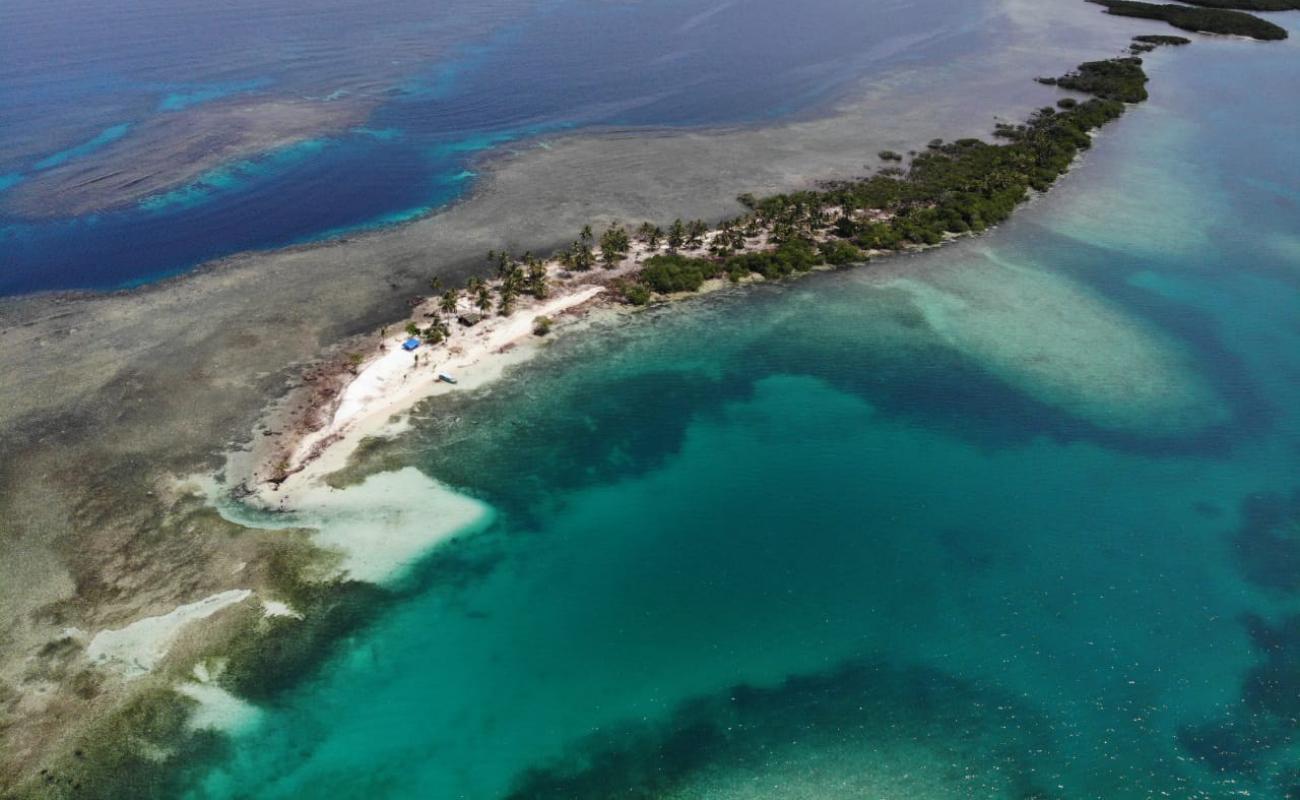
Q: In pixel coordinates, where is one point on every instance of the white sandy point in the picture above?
(140, 646)
(387, 523)
(392, 383)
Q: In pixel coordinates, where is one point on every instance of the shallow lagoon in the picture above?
(933, 577)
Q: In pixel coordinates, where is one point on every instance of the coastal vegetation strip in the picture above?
(949, 190)
(1199, 20)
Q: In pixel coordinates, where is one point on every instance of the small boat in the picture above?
(445, 378)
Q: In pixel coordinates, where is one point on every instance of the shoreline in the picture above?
(389, 384)
(372, 392)
(298, 450)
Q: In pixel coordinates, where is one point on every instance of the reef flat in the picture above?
(167, 152)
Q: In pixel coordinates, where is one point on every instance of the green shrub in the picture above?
(637, 294)
(675, 273)
(839, 253)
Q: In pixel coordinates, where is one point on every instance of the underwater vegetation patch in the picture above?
(1267, 545)
(1249, 740)
(858, 727)
(601, 442)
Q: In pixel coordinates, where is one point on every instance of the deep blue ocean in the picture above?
(1019, 518)
(445, 83)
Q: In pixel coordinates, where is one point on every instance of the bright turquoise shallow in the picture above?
(938, 580)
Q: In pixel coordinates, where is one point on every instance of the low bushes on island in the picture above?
(1162, 40)
(1121, 79)
(950, 188)
(667, 274)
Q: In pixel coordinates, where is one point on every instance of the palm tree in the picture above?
(449, 300)
(435, 284)
(614, 243)
(676, 235)
(501, 260)
(436, 332)
(513, 282)
(580, 255)
(695, 231)
(736, 238)
(484, 299)
(537, 279)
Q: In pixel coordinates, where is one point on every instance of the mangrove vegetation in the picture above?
(1161, 39)
(1121, 79)
(1200, 20)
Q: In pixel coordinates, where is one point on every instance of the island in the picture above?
(950, 190)
(458, 338)
(1200, 20)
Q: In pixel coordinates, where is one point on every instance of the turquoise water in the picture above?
(101, 140)
(894, 532)
(183, 96)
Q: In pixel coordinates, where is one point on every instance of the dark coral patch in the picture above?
(1249, 740)
(1268, 543)
(984, 734)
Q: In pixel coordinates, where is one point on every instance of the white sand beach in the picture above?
(139, 647)
(395, 380)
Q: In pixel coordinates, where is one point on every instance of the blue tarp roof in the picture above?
(411, 344)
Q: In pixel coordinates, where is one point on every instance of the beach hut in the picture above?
(411, 343)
